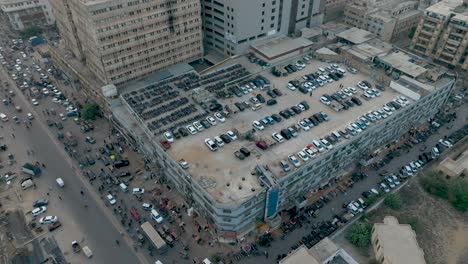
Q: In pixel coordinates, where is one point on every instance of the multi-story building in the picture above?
(334, 9)
(233, 189)
(125, 40)
(387, 19)
(231, 26)
(396, 243)
(442, 34)
(26, 13)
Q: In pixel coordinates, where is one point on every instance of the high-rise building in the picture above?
(387, 19)
(231, 26)
(26, 13)
(442, 33)
(125, 40)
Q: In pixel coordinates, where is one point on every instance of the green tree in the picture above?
(413, 222)
(91, 111)
(360, 234)
(434, 184)
(31, 32)
(393, 201)
(411, 32)
(458, 194)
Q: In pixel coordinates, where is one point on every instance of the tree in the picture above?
(360, 234)
(31, 32)
(411, 32)
(393, 201)
(458, 194)
(434, 184)
(91, 111)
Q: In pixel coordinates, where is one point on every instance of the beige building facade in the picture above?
(442, 33)
(387, 19)
(26, 13)
(396, 243)
(125, 40)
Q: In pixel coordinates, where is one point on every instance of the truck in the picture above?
(88, 253)
(31, 169)
(76, 246)
(154, 237)
(70, 140)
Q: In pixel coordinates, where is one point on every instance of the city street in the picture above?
(97, 231)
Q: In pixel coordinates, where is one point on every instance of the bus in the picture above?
(154, 237)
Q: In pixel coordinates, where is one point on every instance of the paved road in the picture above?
(334, 207)
(99, 233)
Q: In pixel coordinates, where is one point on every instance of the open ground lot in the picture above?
(442, 231)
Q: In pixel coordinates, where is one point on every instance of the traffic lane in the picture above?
(98, 233)
(327, 213)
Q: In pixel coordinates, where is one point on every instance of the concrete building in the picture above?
(396, 243)
(233, 193)
(324, 252)
(230, 27)
(455, 165)
(387, 19)
(334, 9)
(25, 13)
(120, 41)
(442, 34)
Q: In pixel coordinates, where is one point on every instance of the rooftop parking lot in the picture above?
(229, 176)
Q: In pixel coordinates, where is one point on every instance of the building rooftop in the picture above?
(446, 7)
(181, 100)
(299, 256)
(404, 63)
(278, 46)
(324, 251)
(356, 35)
(398, 242)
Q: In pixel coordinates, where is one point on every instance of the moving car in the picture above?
(50, 219)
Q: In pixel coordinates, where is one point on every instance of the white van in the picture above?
(27, 184)
(60, 182)
(256, 107)
(341, 71)
(155, 216)
(123, 187)
(337, 135)
(3, 117)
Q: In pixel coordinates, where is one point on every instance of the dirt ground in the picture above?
(442, 231)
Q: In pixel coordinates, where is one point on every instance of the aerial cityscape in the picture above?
(240, 131)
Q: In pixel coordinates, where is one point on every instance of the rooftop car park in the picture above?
(264, 120)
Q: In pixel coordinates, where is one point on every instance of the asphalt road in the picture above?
(335, 205)
(98, 232)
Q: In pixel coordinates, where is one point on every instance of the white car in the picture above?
(257, 125)
(278, 137)
(111, 199)
(63, 117)
(303, 125)
(211, 120)
(50, 219)
(291, 87)
(210, 144)
(232, 135)
(34, 102)
(198, 126)
(56, 100)
(138, 191)
(362, 85)
(168, 136)
(445, 143)
(30, 116)
(39, 210)
(45, 91)
(220, 117)
(192, 130)
(303, 156)
(294, 161)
